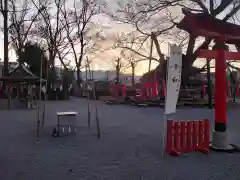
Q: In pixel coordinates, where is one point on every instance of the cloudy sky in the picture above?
(105, 57)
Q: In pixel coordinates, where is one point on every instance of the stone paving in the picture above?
(130, 147)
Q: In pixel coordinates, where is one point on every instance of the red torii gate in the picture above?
(222, 32)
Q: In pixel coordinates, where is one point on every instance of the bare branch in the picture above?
(234, 10)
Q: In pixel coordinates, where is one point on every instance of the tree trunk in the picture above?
(90, 73)
(79, 80)
(86, 74)
(51, 60)
(5, 16)
(133, 77)
(187, 61)
(107, 76)
(5, 22)
(117, 73)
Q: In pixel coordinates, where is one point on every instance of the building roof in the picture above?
(21, 73)
(202, 24)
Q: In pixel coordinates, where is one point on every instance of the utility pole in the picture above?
(5, 19)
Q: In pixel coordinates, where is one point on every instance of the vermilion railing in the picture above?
(148, 90)
(187, 136)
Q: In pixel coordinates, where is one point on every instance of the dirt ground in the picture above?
(130, 147)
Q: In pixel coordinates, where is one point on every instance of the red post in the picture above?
(206, 133)
(195, 135)
(150, 89)
(203, 138)
(154, 89)
(189, 136)
(177, 136)
(182, 136)
(169, 142)
(158, 86)
(237, 91)
(220, 91)
(124, 93)
(200, 134)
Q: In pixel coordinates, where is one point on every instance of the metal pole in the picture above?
(97, 121)
(88, 101)
(40, 98)
(96, 113)
(89, 115)
(209, 89)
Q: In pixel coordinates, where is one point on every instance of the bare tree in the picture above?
(119, 64)
(133, 43)
(21, 22)
(156, 19)
(134, 12)
(81, 30)
(88, 72)
(4, 11)
(133, 51)
(133, 65)
(131, 57)
(51, 30)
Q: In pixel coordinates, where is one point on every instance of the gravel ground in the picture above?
(129, 149)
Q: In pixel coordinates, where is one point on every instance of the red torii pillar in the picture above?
(202, 24)
(221, 55)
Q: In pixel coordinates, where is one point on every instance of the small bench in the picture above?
(68, 121)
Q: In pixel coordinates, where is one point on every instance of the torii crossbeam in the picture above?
(222, 32)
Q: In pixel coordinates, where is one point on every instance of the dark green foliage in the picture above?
(52, 77)
(33, 55)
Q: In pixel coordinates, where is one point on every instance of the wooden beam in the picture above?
(232, 55)
(209, 54)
